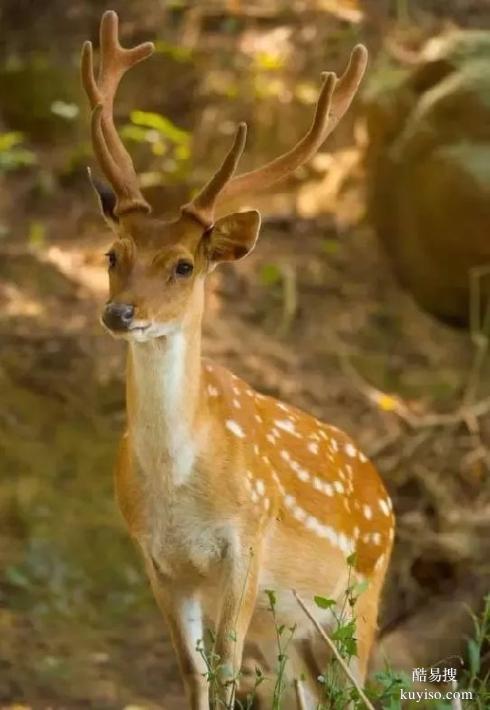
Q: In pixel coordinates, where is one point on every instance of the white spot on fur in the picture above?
(338, 486)
(212, 391)
(236, 403)
(299, 513)
(312, 523)
(350, 450)
(259, 484)
(368, 513)
(384, 507)
(312, 447)
(235, 428)
(287, 425)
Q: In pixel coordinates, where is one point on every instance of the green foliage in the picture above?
(163, 138)
(336, 693)
(270, 275)
(174, 51)
(284, 636)
(477, 646)
(13, 154)
(384, 688)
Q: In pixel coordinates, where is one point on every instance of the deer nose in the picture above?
(118, 316)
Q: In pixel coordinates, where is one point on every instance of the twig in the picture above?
(300, 694)
(463, 413)
(455, 702)
(335, 651)
(289, 297)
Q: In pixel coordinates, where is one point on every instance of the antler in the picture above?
(336, 96)
(202, 206)
(111, 154)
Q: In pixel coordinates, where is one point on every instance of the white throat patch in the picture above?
(163, 436)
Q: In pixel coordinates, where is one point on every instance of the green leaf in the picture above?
(270, 275)
(330, 246)
(474, 657)
(162, 124)
(16, 577)
(346, 631)
(351, 560)
(359, 588)
(272, 597)
(324, 603)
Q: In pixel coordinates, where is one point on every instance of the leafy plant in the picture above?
(163, 138)
(284, 636)
(13, 154)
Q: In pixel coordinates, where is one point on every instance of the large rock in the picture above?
(428, 164)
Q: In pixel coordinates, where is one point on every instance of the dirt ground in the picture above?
(313, 316)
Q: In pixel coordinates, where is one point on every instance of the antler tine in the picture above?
(335, 98)
(113, 157)
(202, 206)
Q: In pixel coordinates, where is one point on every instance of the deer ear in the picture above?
(106, 199)
(234, 236)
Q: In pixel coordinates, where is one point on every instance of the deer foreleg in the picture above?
(238, 604)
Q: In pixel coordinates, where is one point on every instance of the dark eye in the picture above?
(111, 258)
(184, 268)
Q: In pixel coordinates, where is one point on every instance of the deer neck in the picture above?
(163, 400)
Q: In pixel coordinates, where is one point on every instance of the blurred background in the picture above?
(365, 302)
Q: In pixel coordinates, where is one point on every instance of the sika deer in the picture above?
(226, 491)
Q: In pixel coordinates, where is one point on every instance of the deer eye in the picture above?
(184, 268)
(111, 258)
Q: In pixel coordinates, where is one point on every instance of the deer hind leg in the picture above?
(314, 656)
(366, 615)
(297, 669)
(182, 610)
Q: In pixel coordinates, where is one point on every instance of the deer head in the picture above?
(157, 268)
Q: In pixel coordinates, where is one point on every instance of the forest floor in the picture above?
(313, 316)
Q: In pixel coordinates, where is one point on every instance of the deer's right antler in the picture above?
(335, 97)
(333, 101)
(113, 158)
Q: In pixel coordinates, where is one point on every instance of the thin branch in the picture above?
(300, 694)
(335, 651)
(455, 702)
(391, 403)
